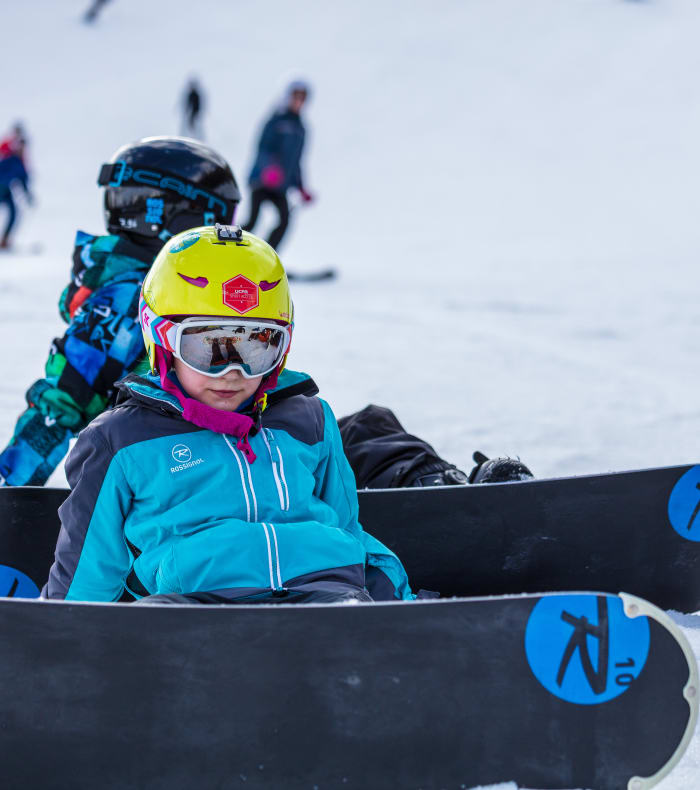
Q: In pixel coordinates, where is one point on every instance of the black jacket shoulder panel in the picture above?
(132, 423)
(300, 416)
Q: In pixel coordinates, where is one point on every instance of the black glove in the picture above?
(498, 470)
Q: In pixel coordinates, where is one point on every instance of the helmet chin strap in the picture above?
(231, 423)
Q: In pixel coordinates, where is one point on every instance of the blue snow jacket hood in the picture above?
(159, 505)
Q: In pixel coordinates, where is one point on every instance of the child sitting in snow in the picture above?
(219, 477)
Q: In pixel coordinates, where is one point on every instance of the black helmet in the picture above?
(160, 186)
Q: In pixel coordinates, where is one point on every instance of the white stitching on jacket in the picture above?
(269, 556)
(274, 469)
(240, 467)
(277, 555)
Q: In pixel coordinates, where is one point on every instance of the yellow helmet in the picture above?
(217, 272)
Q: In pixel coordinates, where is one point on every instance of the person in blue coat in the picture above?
(12, 171)
(277, 166)
(219, 477)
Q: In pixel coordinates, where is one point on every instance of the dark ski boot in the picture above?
(439, 473)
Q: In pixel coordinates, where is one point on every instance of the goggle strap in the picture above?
(117, 174)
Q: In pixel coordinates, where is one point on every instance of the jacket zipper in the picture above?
(243, 484)
(277, 471)
(273, 556)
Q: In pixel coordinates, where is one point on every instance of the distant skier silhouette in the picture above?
(15, 142)
(93, 12)
(193, 105)
(12, 171)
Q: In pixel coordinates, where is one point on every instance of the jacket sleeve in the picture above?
(92, 559)
(386, 577)
(295, 176)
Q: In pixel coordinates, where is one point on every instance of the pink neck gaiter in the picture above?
(231, 423)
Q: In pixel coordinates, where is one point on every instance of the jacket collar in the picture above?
(146, 390)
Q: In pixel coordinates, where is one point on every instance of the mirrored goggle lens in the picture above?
(255, 350)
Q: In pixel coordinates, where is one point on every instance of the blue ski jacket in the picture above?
(12, 169)
(159, 505)
(281, 144)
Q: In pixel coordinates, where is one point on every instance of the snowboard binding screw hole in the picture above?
(632, 610)
(691, 692)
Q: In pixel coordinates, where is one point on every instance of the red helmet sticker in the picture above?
(240, 294)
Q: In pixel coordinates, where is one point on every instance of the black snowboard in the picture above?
(555, 691)
(634, 531)
(319, 275)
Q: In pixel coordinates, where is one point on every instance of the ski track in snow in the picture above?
(507, 189)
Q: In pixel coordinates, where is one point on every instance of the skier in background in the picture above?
(193, 105)
(15, 142)
(103, 341)
(277, 166)
(12, 171)
(93, 11)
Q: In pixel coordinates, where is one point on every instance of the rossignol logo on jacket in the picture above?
(182, 455)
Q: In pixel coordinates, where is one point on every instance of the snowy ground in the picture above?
(508, 189)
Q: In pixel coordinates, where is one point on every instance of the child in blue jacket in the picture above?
(219, 477)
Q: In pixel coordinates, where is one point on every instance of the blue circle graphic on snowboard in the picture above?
(15, 584)
(583, 648)
(684, 505)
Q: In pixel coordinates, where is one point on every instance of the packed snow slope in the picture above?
(507, 188)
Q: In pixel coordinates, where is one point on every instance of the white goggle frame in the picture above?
(223, 323)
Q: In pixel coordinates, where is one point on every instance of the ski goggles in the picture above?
(213, 348)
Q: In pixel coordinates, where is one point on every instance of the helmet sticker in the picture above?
(185, 242)
(160, 330)
(154, 211)
(266, 286)
(200, 282)
(240, 294)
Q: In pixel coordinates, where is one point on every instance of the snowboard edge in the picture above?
(637, 607)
